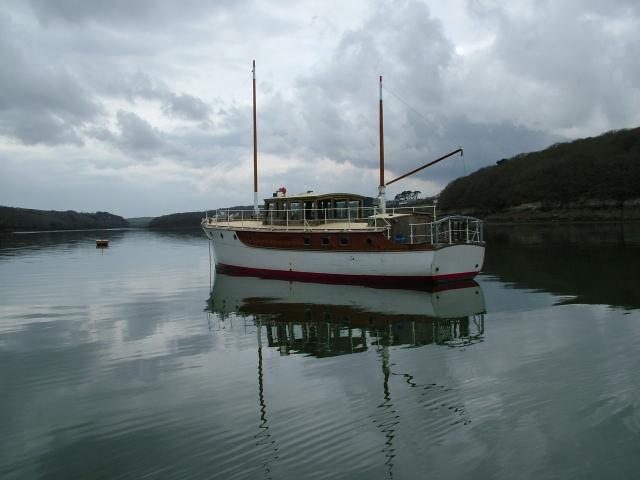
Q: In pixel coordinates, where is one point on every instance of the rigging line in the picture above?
(407, 105)
(426, 120)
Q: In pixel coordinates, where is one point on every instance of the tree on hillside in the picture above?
(407, 196)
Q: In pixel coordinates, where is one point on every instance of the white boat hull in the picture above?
(451, 262)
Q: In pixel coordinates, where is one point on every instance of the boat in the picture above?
(102, 243)
(337, 238)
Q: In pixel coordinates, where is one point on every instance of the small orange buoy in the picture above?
(102, 243)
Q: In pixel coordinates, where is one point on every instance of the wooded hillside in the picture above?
(177, 220)
(596, 172)
(26, 219)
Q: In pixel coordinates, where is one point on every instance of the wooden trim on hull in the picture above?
(349, 241)
(342, 278)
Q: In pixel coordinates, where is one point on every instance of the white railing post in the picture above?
(349, 217)
(287, 215)
(411, 236)
(467, 229)
(450, 242)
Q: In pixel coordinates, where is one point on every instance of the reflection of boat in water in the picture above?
(326, 319)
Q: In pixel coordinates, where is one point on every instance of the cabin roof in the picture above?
(316, 196)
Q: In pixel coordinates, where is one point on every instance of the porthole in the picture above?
(369, 241)
(307, 241)
(344, 241)
(324, 241)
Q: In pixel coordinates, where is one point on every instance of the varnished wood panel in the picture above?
(357, 241)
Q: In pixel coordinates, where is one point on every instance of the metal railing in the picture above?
(293, 219)
(448, 230)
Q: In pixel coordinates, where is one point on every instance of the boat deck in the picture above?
(259, 225)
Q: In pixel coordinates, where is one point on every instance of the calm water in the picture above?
(123, 363)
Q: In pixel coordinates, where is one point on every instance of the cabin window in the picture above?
(353, 208)
(325, 207)
(344, 241)
(307, 241)
(324, 241)
(341, 208)
(309, 211)
(274, 214)
(295, 211)
(369, 241)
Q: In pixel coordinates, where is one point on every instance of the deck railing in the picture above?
(293, 219)
(305, 218)
(448, 230)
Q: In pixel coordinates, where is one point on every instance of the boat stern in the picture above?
(457, 262)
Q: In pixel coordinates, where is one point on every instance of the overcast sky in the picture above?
(143, 107)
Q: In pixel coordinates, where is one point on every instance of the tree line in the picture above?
(26, 219)
(605, 168)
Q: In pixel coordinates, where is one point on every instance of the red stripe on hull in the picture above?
(341, 278)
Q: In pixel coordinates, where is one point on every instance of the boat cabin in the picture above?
(312, 208)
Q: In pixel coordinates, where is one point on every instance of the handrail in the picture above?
(452, 229)
(449, 230)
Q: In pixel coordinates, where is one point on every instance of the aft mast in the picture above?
(382, 201)
(255, 147)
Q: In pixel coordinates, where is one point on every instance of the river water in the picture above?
(124, 363)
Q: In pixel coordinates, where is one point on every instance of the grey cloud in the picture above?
(334, 110)
(198, 147)
(33, 127)
(40, 100)
(140, 85)
(575, 55)
(79, 11)
(186, 107)
(137, 134)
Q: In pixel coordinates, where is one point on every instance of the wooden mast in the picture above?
(255, 146)
(382, 201)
